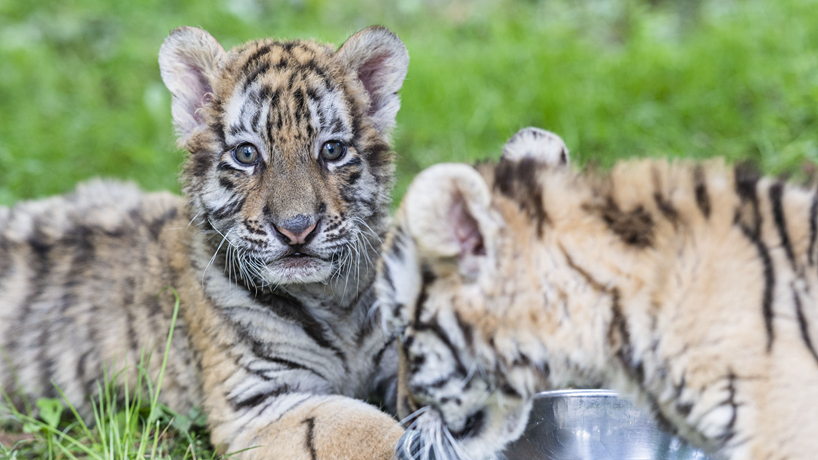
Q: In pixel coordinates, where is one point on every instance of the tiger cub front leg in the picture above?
(312, 427)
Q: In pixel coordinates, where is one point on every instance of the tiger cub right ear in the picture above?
(188, 61)
(447, 213)
(380, 60)
(536, 144)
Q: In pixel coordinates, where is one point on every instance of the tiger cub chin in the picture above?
(271, 250)
(691, 286)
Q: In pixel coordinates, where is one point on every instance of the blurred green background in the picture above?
(81, 96)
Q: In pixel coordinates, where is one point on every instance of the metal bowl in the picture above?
(594, 425)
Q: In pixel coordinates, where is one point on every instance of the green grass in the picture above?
(80, 93)
(128, 423)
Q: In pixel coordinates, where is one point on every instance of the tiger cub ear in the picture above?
(537, 144)
(188, 61)
(447, 210)
(380, 60)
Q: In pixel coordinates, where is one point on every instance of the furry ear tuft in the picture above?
(537, 144)
(380, 60)
(447, 212)
(188, 61)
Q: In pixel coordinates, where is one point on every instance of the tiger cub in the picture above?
(271, 251)
(689, 285)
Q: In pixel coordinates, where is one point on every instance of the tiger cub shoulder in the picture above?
(690, 285)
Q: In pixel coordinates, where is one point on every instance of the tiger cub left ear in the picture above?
(380, 60)
(188, 63)
(536, 144)
(447, 213)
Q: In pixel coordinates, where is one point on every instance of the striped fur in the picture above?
(273, 259)
(691, 286)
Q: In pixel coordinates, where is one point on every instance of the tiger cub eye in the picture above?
(246, 154)
(333, 150)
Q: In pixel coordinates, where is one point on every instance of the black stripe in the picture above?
(436, 384)
(729, 430)
(813, 228)
(319, 71)
(634, 228)
(428, 277)
(433, 327)
(253, 58)
(769, 282)
(199, 162)
(802, 324)
(251, 78)
(254, 122)
(379, 355)
(310, 439)
(257, 399)
(229, 209)
(746, 183)
(700, 186)
(776, 193)
(217, 127)
(386, 275)
(82, 365)
(5, 259)
(155, 227)
(236, 129)
(128, 305)
(37, 285)
(519, 181)
(473, 426)
(263, 352)
(618, 328)
(665, 206)
(226, 184)
(271, 117)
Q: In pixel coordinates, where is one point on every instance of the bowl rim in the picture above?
(577, 394)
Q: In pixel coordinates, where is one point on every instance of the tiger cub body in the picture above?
(690, 286)
(271, 252)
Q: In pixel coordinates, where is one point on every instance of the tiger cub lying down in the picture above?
(689, 285)
(286, 194)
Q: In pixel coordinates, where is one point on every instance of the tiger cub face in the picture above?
(455, 402)
(289, 167)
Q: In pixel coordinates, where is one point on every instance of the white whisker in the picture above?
(194, 218)
(414, 415)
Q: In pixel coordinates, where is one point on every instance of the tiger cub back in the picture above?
(271, 250)
(691, 286)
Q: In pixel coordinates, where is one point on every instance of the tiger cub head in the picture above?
(436, 280)
(289, 165)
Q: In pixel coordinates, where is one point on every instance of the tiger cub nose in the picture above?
(297, 230)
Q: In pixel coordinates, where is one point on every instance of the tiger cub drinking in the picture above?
(689, 285)
(271, 250)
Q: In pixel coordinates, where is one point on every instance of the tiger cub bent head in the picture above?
(289, 163)
(427, 279)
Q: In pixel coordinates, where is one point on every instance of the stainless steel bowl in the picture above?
(594, 425)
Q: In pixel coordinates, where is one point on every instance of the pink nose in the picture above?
(296, 235)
